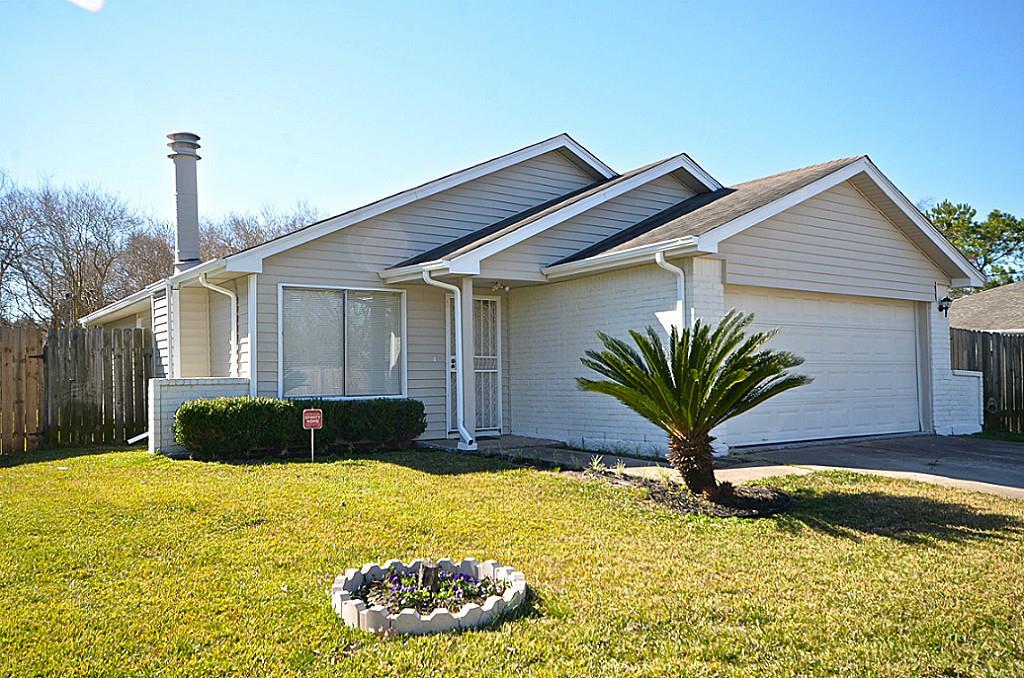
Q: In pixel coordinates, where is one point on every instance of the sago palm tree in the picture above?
(705, 376)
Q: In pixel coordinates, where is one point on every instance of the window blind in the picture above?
(314, 342)
(373, 328)
(341, 343)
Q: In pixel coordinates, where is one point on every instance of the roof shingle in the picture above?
(705, 211)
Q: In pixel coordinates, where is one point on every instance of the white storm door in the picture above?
(486, 364)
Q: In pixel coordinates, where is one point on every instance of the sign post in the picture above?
(312, 420)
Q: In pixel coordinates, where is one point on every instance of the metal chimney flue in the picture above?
(186, 233)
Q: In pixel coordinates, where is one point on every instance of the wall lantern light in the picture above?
(944, 304)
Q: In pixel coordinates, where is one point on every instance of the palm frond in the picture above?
(706, 375)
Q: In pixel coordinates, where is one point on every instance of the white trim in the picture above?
(468, 441)
(251, 304)
(741, 223)
(120, 304)
(233, 315)
(449, 299)
(249, 260)
(174, 331)
(914, 214)
(469, 263)
(280, 339)
(631, 257)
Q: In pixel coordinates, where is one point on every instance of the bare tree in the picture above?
(147, 256)
(238, 231)
(12, 223)
(65, 252)
(71, 239)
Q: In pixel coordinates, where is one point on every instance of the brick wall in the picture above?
(167, 395)
(956, 395)
(552, 325)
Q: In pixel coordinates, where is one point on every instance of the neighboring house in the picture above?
(1000, 309)
(517, 262)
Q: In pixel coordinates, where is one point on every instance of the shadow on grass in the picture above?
(425, 460)
(58, 454)
(904, 518)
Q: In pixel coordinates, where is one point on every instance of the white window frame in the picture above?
(449, 397)
(356, 288)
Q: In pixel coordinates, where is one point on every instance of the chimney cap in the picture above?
(183, 143)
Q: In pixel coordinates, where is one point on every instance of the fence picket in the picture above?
(72, 386)
(1000, 357)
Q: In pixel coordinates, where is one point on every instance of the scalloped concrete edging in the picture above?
(376, 619)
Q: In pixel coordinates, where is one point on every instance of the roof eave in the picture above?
(625, 258)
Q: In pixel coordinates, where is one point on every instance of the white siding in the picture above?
(525, 260)
(194, 333)
(834, 242)
(353, 257)
(552, 325)
(136, 321)
(161, 333)
(219, 310)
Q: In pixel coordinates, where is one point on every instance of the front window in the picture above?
(341, 343)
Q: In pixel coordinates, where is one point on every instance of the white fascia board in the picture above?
(250, 260)
(756, 216)
(413, 271)
(697, 172)
(630, 257)
(470, 261)
(971, 273)
(120, 304)
(211, 266)
(712, 238)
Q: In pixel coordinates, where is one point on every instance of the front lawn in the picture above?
(122, 562)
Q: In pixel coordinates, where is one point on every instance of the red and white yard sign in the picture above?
(312, 421)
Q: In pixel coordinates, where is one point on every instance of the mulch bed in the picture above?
(744, 502)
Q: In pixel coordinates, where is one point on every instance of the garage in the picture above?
(861, 352)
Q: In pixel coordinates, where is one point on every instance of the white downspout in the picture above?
(467, 440)
(234, 319)
(659, 259)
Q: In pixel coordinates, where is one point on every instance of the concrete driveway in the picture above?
(971, 463)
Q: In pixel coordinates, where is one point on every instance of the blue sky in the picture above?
(338, 105)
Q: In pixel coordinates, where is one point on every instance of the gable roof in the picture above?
(701, 213)
(472, 249)
(492, 232)
(511, 222)
(250, 260)
(700, 223)
(999, 309)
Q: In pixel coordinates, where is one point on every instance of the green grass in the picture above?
(122, 562)
(1001, 435)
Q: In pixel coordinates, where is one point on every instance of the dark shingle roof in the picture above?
(509, 224)
(705, 211)
(1000, 308)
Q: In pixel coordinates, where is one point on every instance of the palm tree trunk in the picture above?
(694, 461)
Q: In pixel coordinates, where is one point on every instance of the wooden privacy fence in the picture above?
(1001, 358)
(72, 386)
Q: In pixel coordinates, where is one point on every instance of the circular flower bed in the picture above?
(426, 597)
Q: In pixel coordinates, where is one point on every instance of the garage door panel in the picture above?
(861, 352)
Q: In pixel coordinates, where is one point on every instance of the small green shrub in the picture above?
(245, 427)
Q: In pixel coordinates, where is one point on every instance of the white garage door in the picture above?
(862, 353)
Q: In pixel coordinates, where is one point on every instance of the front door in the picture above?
(486, 364)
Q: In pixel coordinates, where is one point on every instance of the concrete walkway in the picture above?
(965, 462)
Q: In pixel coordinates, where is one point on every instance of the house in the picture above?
(478, 292)
(1000, 309)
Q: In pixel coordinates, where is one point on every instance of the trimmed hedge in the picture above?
(246, 427)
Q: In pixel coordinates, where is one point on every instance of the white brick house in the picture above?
(517, 262)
